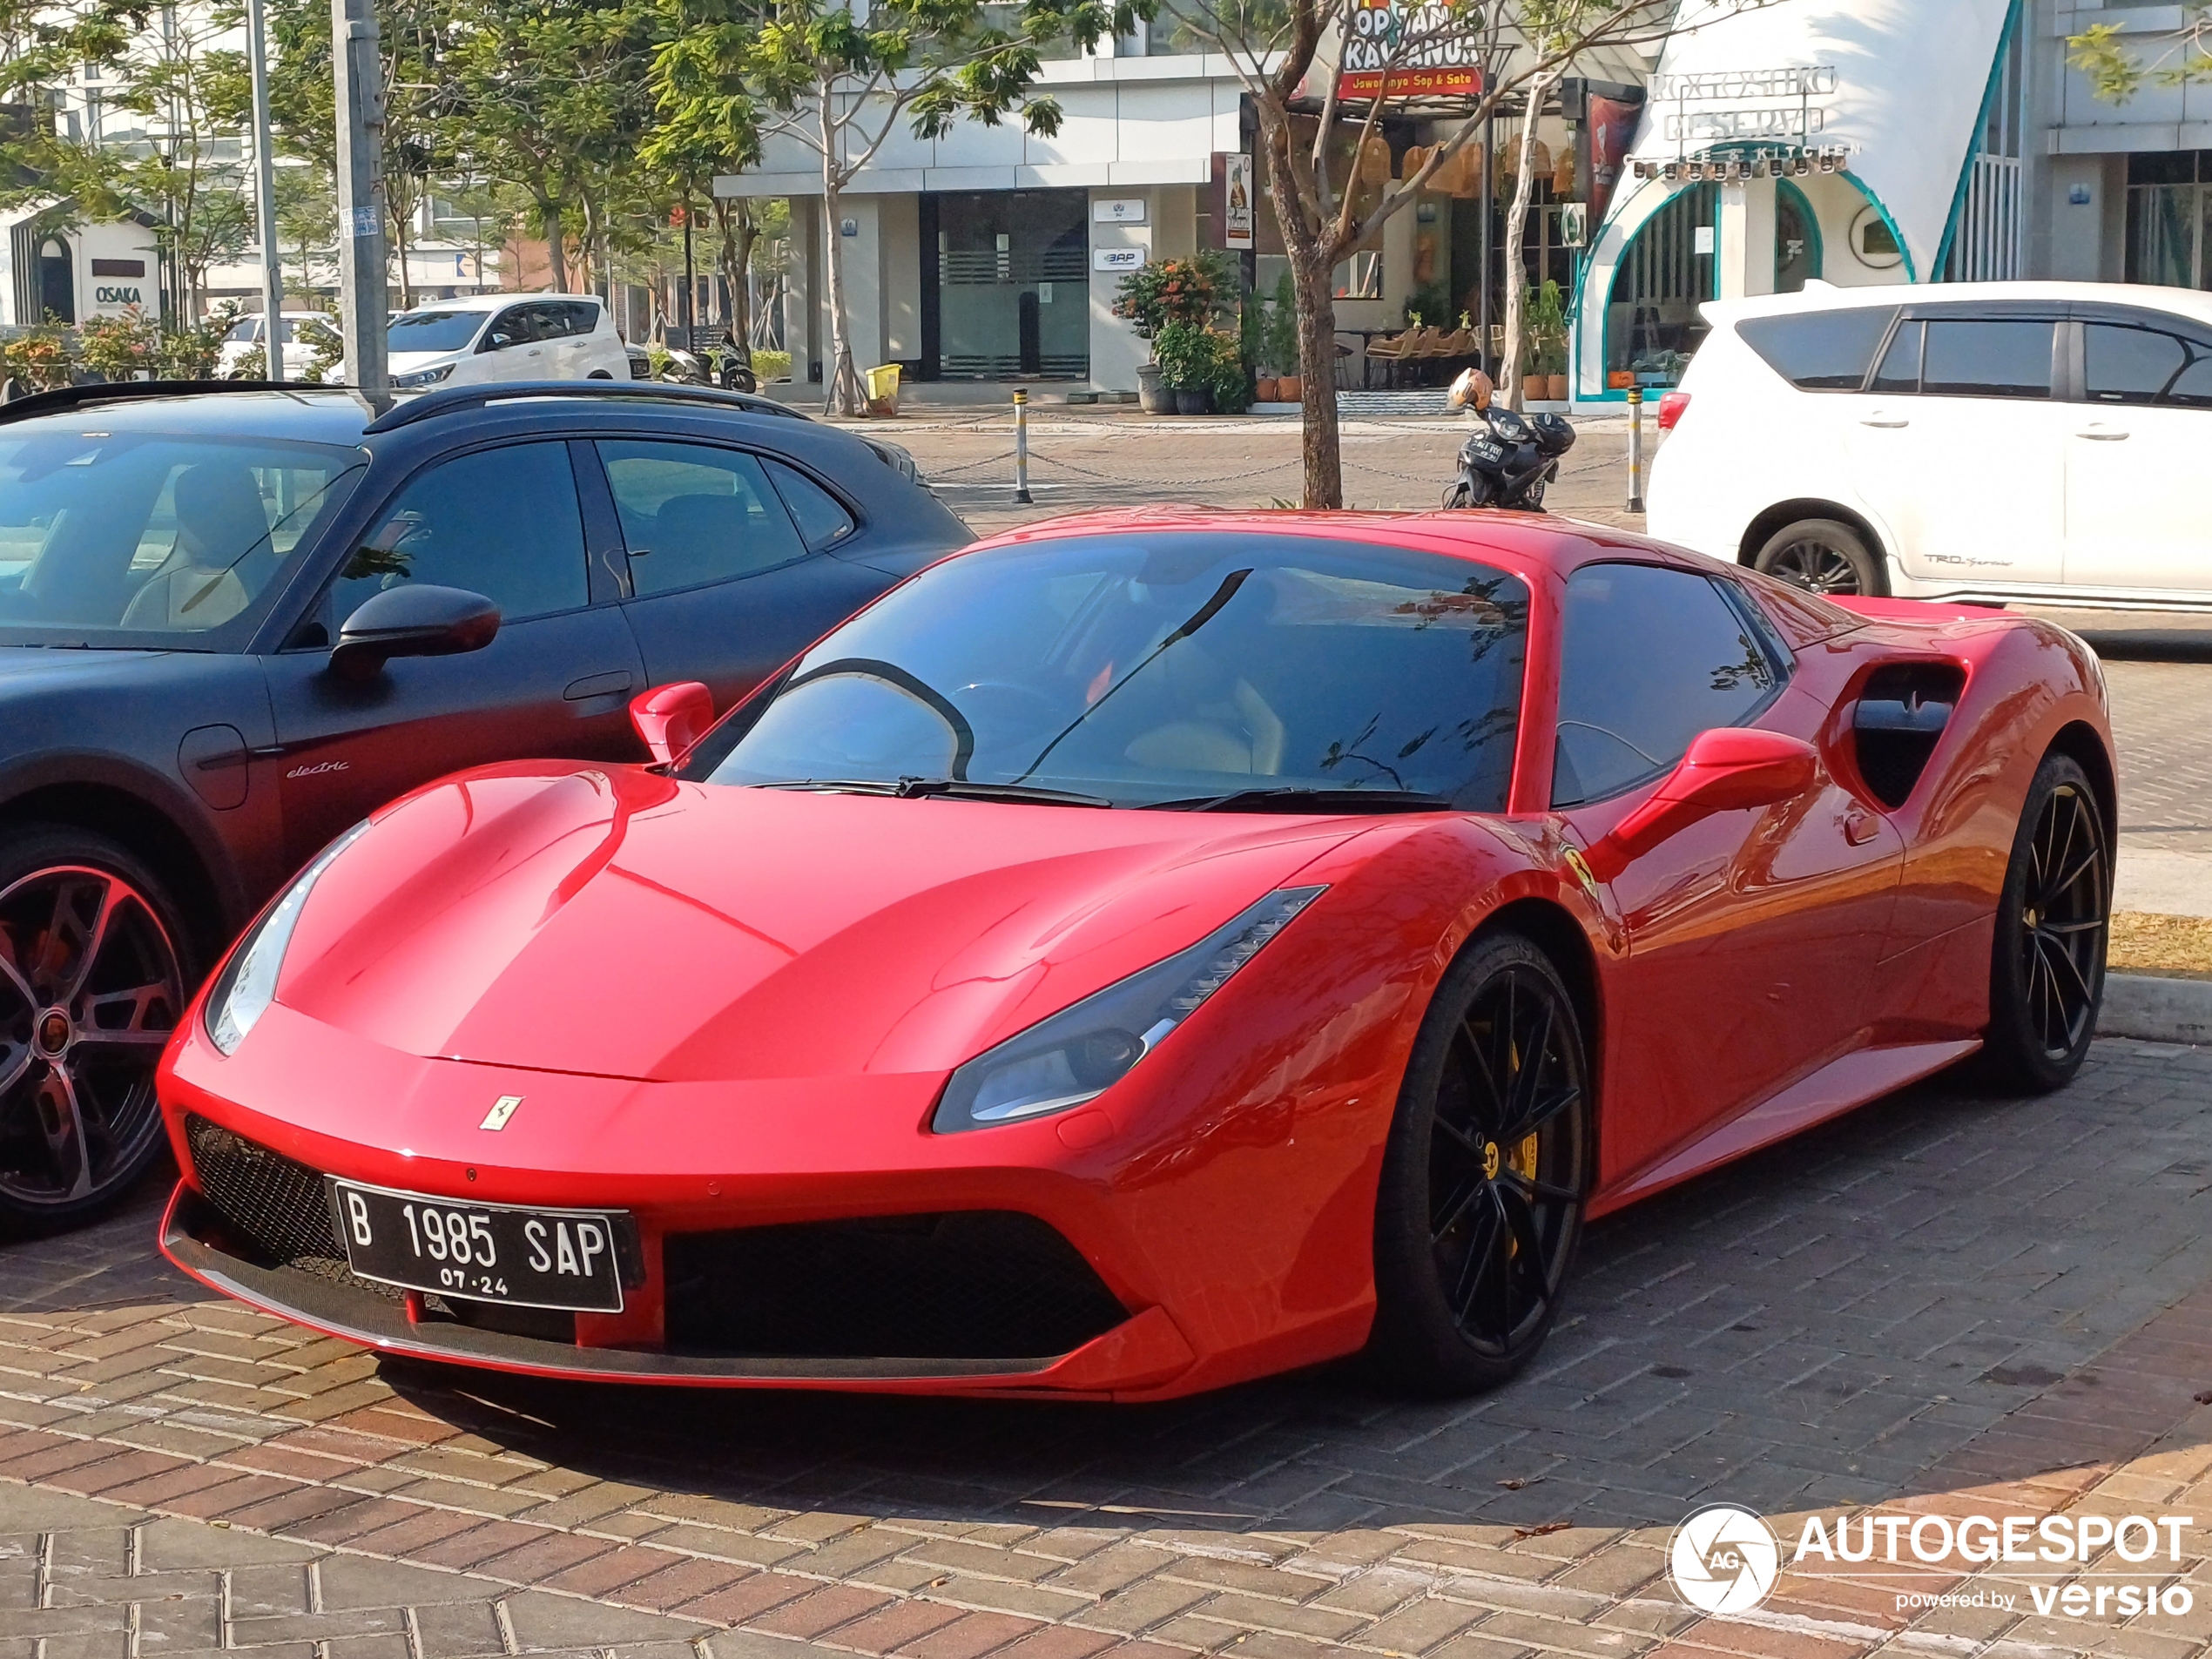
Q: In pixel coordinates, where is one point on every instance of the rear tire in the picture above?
(1821, 556)
(2046, 972)
(1480, 1207)
(94, 976)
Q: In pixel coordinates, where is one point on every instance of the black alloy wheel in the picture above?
(91, 985)
(2053, 916)
(1481, 1205)
(1821, 556)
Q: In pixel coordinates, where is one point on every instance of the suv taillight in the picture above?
(1671, 405)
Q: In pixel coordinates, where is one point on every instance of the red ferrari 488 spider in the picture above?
(1145, 952)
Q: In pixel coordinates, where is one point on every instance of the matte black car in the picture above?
(232, 622)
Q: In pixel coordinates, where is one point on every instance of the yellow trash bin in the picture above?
(883, 389)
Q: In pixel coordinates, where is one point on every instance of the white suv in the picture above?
(506, 337)
(1987, 441)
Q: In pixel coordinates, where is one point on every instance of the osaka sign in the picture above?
(1392, 51)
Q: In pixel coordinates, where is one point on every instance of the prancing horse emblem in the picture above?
(502, 1110)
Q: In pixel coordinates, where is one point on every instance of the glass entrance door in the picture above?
(1013, 294)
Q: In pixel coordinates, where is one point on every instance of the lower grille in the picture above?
(967, 1284)
(275, 1203)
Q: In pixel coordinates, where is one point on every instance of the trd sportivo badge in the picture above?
(502, 1110)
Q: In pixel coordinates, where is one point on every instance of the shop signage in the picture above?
(1397, 50)
(1609, 128)
(1237, 198)
(1574, 225)
(1788, 104)
(117, 296)
(1116, 259)
(1118, 210)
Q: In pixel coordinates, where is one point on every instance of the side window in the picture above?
(580, 317)
(1992, 357)
(511, 327)
(501, 522)
(2192, 389)
(1819, 351)
(1648, 659)
(1899, 374)
(821, 518)
(693, 514)
(2128, 365)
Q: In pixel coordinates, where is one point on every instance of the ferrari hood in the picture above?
(614, 922)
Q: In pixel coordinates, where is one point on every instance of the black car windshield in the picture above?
(433, 330)
(1235, 670)
(136, 538)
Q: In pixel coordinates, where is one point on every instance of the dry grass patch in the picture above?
(2176, 947)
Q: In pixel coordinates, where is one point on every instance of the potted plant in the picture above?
(1163, 292)
(1545, 332)
(1229, 379)
(1184, 351)
(1281, 346)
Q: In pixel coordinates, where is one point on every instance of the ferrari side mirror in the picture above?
(671, 718)
(1726, 770)
(418, 619)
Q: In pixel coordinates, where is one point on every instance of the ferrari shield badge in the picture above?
(1582, 869)
(502, 1110)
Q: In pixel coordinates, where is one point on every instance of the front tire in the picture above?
(1821, 556)
(1480, 1207)
(2047, 973)
(93, 979)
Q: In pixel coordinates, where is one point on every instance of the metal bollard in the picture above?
(1021, 446)
(1636, 448)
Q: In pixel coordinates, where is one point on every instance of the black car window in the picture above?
(503, 523)
(1150, 668)
(693, 514)
(2192, 388)
(151, 535)
(580, 317)
(513, 326)
(1901, 369)
(1819, 351)
(2128, 364)
(1648, 659)
(433, 330)
(821, 517)
(1986, 357)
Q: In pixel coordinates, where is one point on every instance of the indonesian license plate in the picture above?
(486, 1252)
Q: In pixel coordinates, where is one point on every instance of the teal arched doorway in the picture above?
(1797, 239)
(1665, 273)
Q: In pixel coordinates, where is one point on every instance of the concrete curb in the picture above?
(2159, 1010)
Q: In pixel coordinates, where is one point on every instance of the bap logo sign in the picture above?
(1724, 1559)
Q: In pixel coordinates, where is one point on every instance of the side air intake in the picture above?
(1901, 715)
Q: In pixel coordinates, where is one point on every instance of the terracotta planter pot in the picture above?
(1557, 392)
(1265, 392)
(1290, 389)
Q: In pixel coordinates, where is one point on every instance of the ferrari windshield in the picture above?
(144, 538)
(1193, 670)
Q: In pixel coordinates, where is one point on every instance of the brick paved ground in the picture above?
(1946, 1301)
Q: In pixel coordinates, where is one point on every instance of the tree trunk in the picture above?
(1320, 452)
(400, 214)
(557, 251)
(739, 232)
(840, 381)
(1510, 376)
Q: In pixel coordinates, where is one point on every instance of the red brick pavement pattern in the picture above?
(1946, 1304)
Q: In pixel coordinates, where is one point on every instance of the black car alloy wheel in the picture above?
(1480, 1205)
(90, 987)
(1504, 1166)
(1821, 556)
(2062, 919)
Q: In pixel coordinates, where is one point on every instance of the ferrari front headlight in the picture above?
(247, 983)
(1079, 1053)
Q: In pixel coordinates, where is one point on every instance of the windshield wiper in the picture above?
(947, 788)
(1293, 798)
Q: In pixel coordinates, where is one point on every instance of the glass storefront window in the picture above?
(2169, 217)
(1014, 285)
(1168, 36)
(1651, 320)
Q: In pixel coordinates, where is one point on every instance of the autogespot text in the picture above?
(2050, 1542)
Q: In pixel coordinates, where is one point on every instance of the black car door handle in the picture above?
(597, 685)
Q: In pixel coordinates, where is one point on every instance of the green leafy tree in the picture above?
(837, 82)
(1317, 142)
(705, 125)
(2107, 54)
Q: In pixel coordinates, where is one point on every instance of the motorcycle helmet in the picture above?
(1471, 390)
(1554, 436)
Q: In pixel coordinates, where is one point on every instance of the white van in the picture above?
(1991, 442)
(505, 337)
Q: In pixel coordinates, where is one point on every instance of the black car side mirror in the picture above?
(417, 620)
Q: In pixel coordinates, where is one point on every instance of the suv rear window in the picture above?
(1819, 351)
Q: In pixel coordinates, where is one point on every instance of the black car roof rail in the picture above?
(443, 399)
(63, 399)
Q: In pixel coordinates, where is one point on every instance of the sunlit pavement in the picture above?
(1946, 1303)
